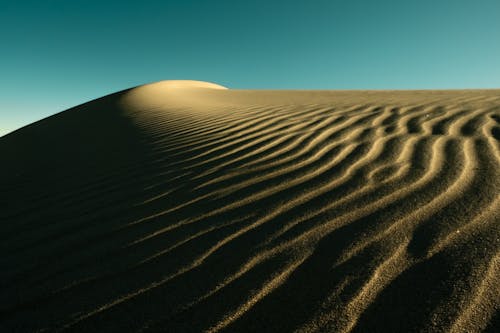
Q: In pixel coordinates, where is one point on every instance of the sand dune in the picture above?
(187, 207)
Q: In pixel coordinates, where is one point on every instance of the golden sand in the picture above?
(182, 206)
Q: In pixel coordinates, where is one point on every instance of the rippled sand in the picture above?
(187, 207)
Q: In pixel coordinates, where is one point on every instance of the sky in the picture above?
(55, 54)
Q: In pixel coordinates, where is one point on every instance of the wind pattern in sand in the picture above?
(255, 211)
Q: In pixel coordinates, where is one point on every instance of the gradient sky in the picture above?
(56, 54)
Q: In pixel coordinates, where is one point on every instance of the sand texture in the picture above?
(188, 207)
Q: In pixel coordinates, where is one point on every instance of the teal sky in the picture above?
(56, 54)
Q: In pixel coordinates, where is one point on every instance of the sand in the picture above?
(187, 207)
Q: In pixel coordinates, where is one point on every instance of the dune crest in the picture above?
(182, 206)
(172, 93)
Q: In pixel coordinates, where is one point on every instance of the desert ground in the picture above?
(183, 206)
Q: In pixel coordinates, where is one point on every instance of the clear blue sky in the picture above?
(59, 53)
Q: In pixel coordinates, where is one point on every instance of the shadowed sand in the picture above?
(182, 206)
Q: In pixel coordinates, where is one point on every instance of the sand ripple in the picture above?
(250, 211)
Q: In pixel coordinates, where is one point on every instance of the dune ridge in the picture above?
(184, 206)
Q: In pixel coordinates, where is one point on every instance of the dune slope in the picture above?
(187, 207)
